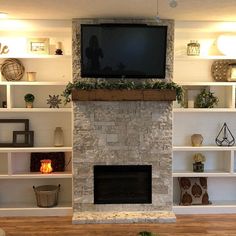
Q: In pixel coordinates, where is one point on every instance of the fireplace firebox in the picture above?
(122, 184)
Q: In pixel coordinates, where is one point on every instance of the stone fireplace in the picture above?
(122, 153)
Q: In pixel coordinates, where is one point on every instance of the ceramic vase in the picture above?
(197, 140)
(58, 137)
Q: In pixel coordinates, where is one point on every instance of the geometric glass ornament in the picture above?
(225, 137)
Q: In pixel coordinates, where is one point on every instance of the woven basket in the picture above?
(47, 195)
(219, 69)
(12, 69)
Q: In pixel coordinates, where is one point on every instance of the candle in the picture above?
(46, 167)
(191, 104)
(59, 45)
(31, 76)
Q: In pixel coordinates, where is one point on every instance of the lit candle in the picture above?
(46, 167)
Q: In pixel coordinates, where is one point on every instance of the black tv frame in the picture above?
(83, 75)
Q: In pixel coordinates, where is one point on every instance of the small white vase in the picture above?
(31, 76)
(58, 137)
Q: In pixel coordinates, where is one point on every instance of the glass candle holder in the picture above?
(46, 166)
(193, 48)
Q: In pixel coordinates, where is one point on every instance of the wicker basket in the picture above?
(47, 195)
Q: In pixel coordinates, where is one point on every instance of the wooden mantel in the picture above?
(123, 95)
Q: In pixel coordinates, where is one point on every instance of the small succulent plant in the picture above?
(29, 97)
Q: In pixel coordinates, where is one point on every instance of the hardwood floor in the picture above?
(199, 225)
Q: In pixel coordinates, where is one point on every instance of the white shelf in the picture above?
(204, 148)
(48, 110)
(216, 57)
(205, 110)
(44, 83)
(203, 83)
(53, 73)
(217, 207)
(25, 209)
(35, 149)
(194, 73)
(206, 173)
(38, 175)
(35, 56)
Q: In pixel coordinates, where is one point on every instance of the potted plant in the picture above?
(198, 165)
(29, 99)
(206, 99)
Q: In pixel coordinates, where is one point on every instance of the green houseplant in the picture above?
(29, 99)
(206, 99)
(122, 85)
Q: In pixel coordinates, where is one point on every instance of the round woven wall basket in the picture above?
(12, 69)
(219, 69)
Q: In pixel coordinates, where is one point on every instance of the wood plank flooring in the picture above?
(188, 225)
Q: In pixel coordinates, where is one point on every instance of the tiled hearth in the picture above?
(122, 133)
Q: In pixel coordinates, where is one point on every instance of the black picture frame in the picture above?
(29, 135)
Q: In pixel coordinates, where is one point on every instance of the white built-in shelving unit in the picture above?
(53, 72)
(194, 74)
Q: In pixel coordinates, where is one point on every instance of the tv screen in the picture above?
(123, 51)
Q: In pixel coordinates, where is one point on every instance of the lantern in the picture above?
(193, 48)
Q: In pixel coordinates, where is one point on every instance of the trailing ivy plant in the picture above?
(121, 84)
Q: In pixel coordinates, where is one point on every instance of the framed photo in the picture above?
(38, 45)
(232, 72)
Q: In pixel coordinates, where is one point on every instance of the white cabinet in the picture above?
(194, 75)
(16, 181)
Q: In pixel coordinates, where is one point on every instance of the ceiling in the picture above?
(205, 10)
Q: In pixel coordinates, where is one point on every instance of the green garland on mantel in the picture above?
(122, 84)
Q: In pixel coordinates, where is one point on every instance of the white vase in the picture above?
(31, 76)
(58, 137)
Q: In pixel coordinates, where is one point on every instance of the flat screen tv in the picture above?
(123, 51)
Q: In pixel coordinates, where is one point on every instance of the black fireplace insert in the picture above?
(122, 184)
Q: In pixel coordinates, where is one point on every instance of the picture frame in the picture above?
(231, 72)
(28, 136)
(38, 45)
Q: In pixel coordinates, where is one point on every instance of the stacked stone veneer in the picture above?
(121, 133)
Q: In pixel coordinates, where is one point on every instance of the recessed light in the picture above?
(3, 15)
